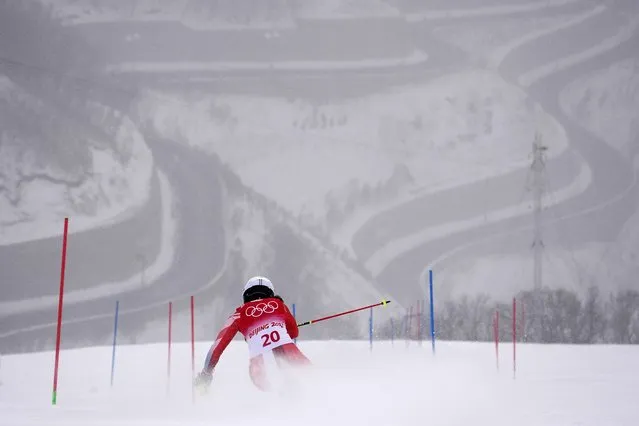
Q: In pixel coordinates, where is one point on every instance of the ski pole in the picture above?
(383, 302)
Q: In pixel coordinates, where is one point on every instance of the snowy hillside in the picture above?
(490, 43)
(306, 271)
(322, 162)
(344, 9)
(54, 163)
(507, 274)
(554, 385)
(199, 14)
(624, 257)
(611, 266)
(606, 102)
(220, 14)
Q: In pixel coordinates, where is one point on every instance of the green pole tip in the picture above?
(55, 398)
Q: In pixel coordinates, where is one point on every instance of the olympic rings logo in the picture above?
(261, 308)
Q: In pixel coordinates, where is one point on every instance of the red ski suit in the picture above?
(267, 325)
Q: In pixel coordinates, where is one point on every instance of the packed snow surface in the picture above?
(401, 384)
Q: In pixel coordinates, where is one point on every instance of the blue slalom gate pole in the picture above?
(115, 336)
(432, 310)
(370, 330)
(294, 340)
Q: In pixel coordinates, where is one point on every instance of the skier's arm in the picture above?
(223, 339)
(291, 325)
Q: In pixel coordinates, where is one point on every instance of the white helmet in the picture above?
(258, 288)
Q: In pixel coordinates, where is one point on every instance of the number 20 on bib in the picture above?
(266, 337)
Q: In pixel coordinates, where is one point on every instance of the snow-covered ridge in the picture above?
(266, 14)
(497, 57)
(493, 43)
(344, 9)
(491, 10)
(625, 258)
(217, 15)
(54, 165)
(624, 34)
(382, 257)
(159, 266)
(198, 14)
(606, 102)
(317, 159)
(612, 266)
(416, 57)
(326, 282)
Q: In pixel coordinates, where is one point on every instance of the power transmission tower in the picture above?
(538, 169)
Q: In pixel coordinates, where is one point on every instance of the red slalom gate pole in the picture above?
(496, 332)
(192, 346)
(420, 310)
(514, 337)
(54, 398)
(383, 302)
(168, 362)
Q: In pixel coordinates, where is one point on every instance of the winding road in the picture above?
(595, 215)
(200, 256)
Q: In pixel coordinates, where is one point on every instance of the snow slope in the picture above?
(310, 273)
(344, 9)
(64, 167)
(311, 158)
(492, 42)
(386, 254)
(400, 384)
(220, 14)
(197, 14)
(503, 9)
(624, 265)
(502, 276)
(606, 103)
(148, 277)
(415, 58)
(625, 32)
(611, 265)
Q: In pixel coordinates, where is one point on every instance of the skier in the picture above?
(267, 326)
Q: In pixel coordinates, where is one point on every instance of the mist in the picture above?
(341, 148)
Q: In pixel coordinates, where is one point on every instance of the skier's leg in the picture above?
(291, 354)
(257, 371)
(291, 361)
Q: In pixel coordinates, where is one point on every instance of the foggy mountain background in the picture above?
(341, 148)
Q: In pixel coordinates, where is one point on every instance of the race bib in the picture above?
(266, 337)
